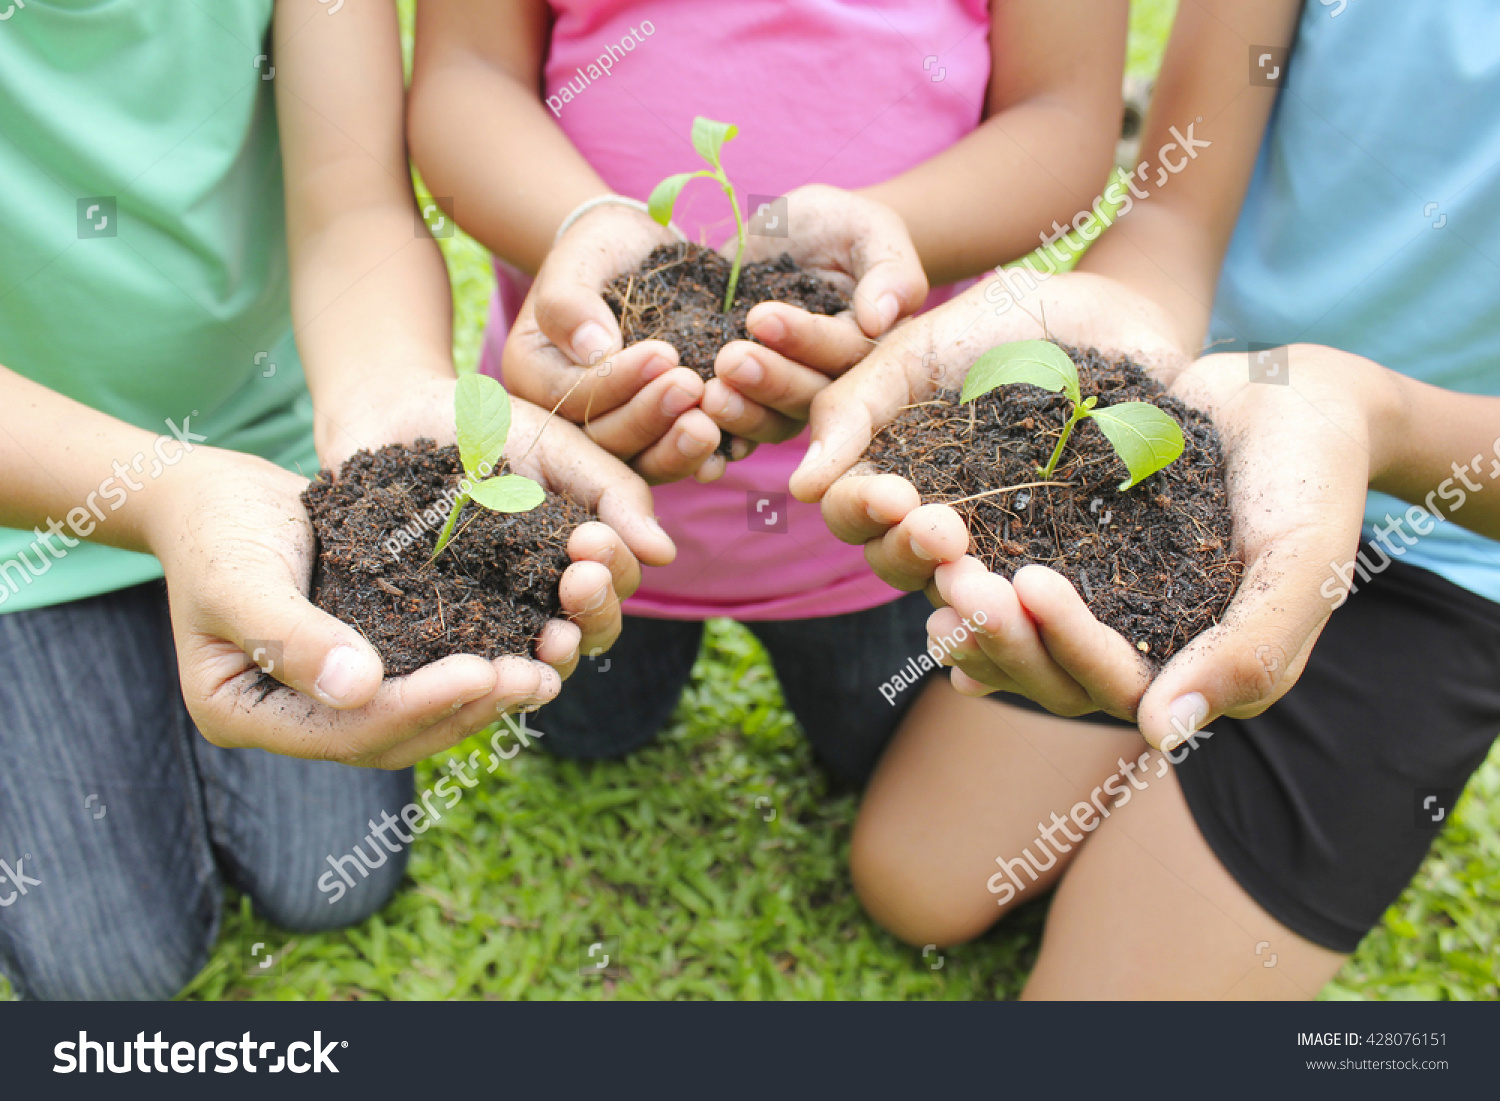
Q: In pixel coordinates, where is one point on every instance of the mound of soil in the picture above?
(1153, 562)
(677, 295)
(490, 591)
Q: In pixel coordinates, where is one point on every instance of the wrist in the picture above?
(356, 410)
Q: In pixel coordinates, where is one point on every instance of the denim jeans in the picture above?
(120, 825)
(831, 670)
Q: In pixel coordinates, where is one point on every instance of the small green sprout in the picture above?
(708, 138)
(1145, 438)
(481, 412)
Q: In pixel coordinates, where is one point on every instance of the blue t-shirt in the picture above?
(1372, 223)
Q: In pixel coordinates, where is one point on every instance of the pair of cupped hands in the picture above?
(238, 552)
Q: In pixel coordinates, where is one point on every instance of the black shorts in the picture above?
(1324, 807)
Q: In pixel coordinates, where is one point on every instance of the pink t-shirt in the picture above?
(823, 91)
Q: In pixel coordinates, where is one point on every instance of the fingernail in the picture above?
(887, 306)
(769, 329)
(340, 673)
(748, 372)
(1186, 714)
(590, 340)
(921, 552)
(677, 401)
(810, 460)
(651, 522)
(595, 602)
(732, 406)
(655, 367)
(690, 445)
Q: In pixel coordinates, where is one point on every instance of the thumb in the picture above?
(570, 310)
(890, 281)
(844, 417)
(1253, 656)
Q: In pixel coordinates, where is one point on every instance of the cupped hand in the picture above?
(763, 388)
(237, 549)
(1298, 462)
(565, 351)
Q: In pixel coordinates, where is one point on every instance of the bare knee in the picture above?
(912, 896)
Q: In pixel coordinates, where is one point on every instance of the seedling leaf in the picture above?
(1145, 438)
(481, 410)
(508, 493)
(1039, 362)
(709, 138)
(664, 196)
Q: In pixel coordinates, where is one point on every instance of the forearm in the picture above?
(370, 300)
(988, 199)
(1441, 450)
(78, 473)
(480, 133)
(370, 303)
(1197, 156)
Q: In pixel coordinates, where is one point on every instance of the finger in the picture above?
(688, 445)
(907, 556)
(588, 596)
(598, 542)
(843, 419)
(769, 378)
(949, 636)
(891, 281)
(830, 345)
(280, 631)
(570, 464)
(520, 684)
(1007, 639)
(862, 507)
(1256, 652)
(1111, 671)
(646, 417)
(585, 394)
(570, 311)
(234, 711)
(557, 645)
(747, 420)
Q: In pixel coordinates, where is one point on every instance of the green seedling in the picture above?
(1145, 438)
(708, 138)
(481, 413)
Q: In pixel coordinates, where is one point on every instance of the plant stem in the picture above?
(447, 532)
(743, 236)
(1079, 412)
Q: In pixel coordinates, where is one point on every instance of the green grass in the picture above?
(669, 852)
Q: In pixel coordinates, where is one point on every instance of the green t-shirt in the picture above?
(143, 265)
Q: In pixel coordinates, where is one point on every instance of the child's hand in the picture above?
(238, 552)
(635, 402)
(934, 352)
(1299, 460)
(763, 390)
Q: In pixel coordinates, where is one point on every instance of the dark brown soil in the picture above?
(1153, 562)
(488, 593)
(677, 295)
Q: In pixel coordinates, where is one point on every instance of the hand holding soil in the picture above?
(237, 549)
(565, 346)
(503, 586)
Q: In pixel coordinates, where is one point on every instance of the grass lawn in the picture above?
(671, 852)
